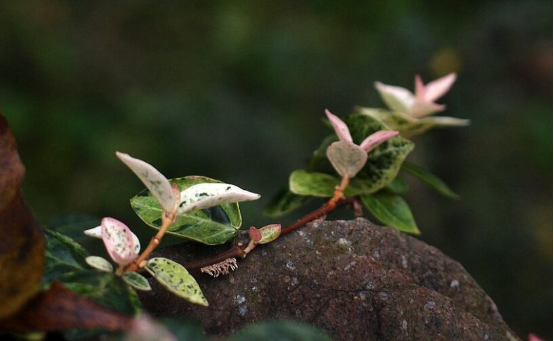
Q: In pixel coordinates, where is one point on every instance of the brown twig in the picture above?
(136, 264)
(238, 252)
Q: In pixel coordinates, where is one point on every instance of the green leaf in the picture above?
(430, 179)
(175, 278)
(103, 288)
(280, 331)
(323, 185)
(411, 126)
(383, 162)
(391, 210)
(62, 255)
(285, 202)
(137, 281)
(211, 226)
(99, 263)
(398, 186)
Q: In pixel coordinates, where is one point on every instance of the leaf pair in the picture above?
(122, 245)
(346, 157)
(204, 210)
(194, 198)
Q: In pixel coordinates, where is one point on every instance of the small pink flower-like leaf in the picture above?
(419, 88)
(423, 108)
(439, 87)
(347, 158)
(255, 234)
(340, 127)
(155, 181)
(376, 139)
(118, 240)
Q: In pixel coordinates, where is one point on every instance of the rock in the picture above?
(353, 279)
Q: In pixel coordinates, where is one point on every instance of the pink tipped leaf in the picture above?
(97, 233)
(118, 240)
(419, 88)
(423, 108)
(340, 127)
(376, 139)
(439, 87)
(155, 181)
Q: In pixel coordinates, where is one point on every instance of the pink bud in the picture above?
(340, 127)
(376, 139)
(255, 234)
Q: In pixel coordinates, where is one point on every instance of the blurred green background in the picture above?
(236, 91)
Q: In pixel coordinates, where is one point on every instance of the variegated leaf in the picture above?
(410, 126)
(175, 278)
(97, 233)
(347, 158)
(137, 281)
(99, 263)
(396, 98)
(269, 233)
(155, 181)
(211, 226)
(207, 195)
(118, 241)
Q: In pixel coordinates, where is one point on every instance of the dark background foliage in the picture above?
(236, 91)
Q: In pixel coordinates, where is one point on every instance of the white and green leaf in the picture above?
(269, 233)
(396, 97)
(99, 263)
(175, 278)
(137, 281)
(410, 126)
(211, 226)
(347, 158)
(155, 181)
(391, 210)
(206, 195)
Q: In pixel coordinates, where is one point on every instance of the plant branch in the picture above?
(136, 264)
(237, 251)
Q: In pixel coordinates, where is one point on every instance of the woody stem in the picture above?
(236, 251)
(167, 220)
